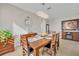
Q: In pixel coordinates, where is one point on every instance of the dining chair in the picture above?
(53, 43)
(57, 39)
(50, 48)
(27, 50)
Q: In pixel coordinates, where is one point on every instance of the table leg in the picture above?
(36, 52)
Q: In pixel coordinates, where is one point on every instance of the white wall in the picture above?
(12, 14)
(0, 15)
(13, 19)
(55, 24)
(43, 25)
(63, 11)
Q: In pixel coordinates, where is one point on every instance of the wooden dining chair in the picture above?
(27, 50)
(53, 43)
(50, 48)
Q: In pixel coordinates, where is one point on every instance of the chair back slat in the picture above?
(24, 41)
(53, 37)
(25, 45)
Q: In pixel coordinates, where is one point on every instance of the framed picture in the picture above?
(70, 25)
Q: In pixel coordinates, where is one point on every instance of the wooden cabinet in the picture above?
(63, 35)
(75, 35)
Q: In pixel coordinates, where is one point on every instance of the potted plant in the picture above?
(4, 36)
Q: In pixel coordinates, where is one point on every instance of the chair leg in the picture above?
(54, 50)
(28, 53)
(43, 51)
(51, 53)
(57, 45)
(24, 53)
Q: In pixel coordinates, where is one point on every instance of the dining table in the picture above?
(37, 42)
(40, 43)
(36, 45)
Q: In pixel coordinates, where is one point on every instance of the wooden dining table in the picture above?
(36, 45)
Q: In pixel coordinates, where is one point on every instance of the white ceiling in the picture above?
(58, 10)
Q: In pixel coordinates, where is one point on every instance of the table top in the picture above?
(39, 43)
(37, 37)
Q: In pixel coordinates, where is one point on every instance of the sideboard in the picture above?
(70, 36)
